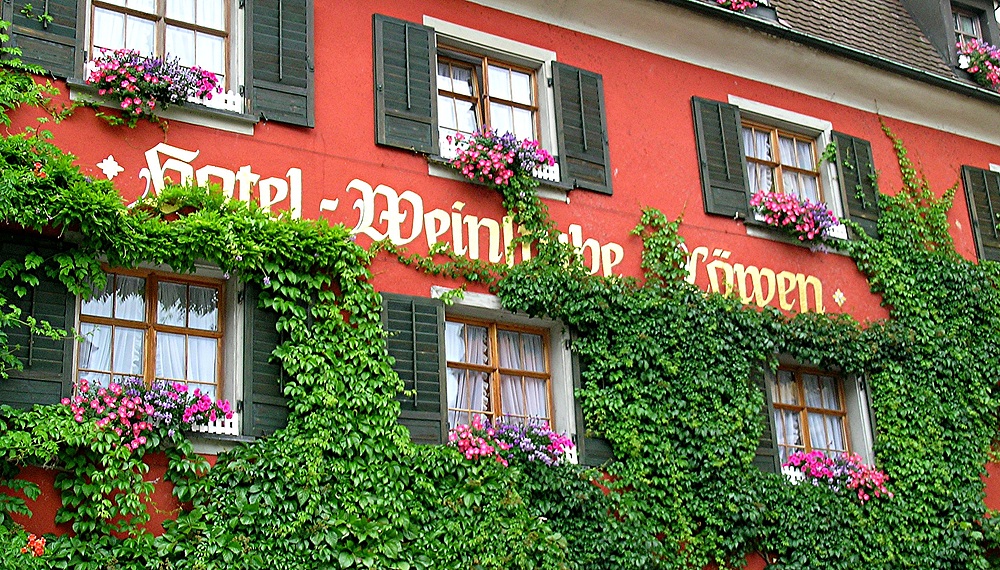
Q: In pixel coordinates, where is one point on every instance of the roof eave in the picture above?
(776, 29)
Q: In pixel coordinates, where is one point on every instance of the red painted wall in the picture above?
(652, 148)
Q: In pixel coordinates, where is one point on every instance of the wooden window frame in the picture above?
(977, 22)
(160, 21)
(495, 371)
(803, 410)
(151, 327)
(481, 98)
(778, 182)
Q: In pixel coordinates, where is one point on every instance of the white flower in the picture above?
(964, 61)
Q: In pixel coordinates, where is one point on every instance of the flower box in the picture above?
(807, 221)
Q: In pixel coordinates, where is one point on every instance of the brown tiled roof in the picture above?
(881, 28)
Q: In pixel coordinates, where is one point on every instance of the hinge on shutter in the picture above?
(242, 91)
(243, 4)
(241, 295)
(239, 406)
(549, 82)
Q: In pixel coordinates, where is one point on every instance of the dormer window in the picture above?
(967, 25)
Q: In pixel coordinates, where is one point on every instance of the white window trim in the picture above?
(820, 129)
(232, 346)
(861, 439)
(230, 100)
(519, 53)
(488, 307)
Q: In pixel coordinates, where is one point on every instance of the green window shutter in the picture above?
(405, 85)
(592, 451)
(53, 45)
(982, 193)
(582, 128)
(415, 327)
(858, 184)
(767, 458)
(265, 408)
(47, 374)
(280, 56)
(721, 158)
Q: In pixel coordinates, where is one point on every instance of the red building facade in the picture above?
(682, 106)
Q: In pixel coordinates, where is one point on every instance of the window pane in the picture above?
(444, 76)
(95, 347)
(757, 144)
(203, 308)
(499, 82)
(140, 35)
(786, 150)
(524, 127)
(130, 347)
(202, 355)
(467, 343)
(170, 356)
(831, 395)
(805, 157)
(512, 401)
(468, 121)
(100, 304)
(789, 431)
(467, 390)
(212, 14)
(786, 389)
(143, 5)
(809, 187)
(537, 392)
(501, 118)
(790, 183)
(171, 305)
(814, 399)
(520, 86)
(211, 53)
(109, 30)
(180, 43)
(463, 78)
(446, 113)
(835, 429)
(130, 298)
(182, 10)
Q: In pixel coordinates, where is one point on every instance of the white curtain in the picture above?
(130, 298)
(129, 348)
(170, 356)
(95, 352)
(203, 308)
(202, 359)
(521, 395)
(171, 305)
(467, 389)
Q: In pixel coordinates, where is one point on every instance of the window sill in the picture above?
(192, 113)
(547, 189)
(759, 229)
(214, 444)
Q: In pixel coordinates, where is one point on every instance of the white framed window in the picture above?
(487, 80)
(158, 325)
(206, 33)
(819, 410)
(783, 154)
(504, 365)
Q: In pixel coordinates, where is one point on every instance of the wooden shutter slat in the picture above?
(280, 55)
(55, 45)
(767, 458)
(265, 408)
(982, 193)
(721, 158)
(47, 374)
(415, 327)
(581, 123)
(405, 85)
(859, 190)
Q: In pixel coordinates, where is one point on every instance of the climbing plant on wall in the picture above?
(669, 377)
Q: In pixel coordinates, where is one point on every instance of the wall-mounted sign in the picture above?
(402, 218)
(761, 286)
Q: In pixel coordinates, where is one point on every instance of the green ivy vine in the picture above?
(669, 378)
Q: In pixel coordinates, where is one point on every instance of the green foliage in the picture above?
(669, 377)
